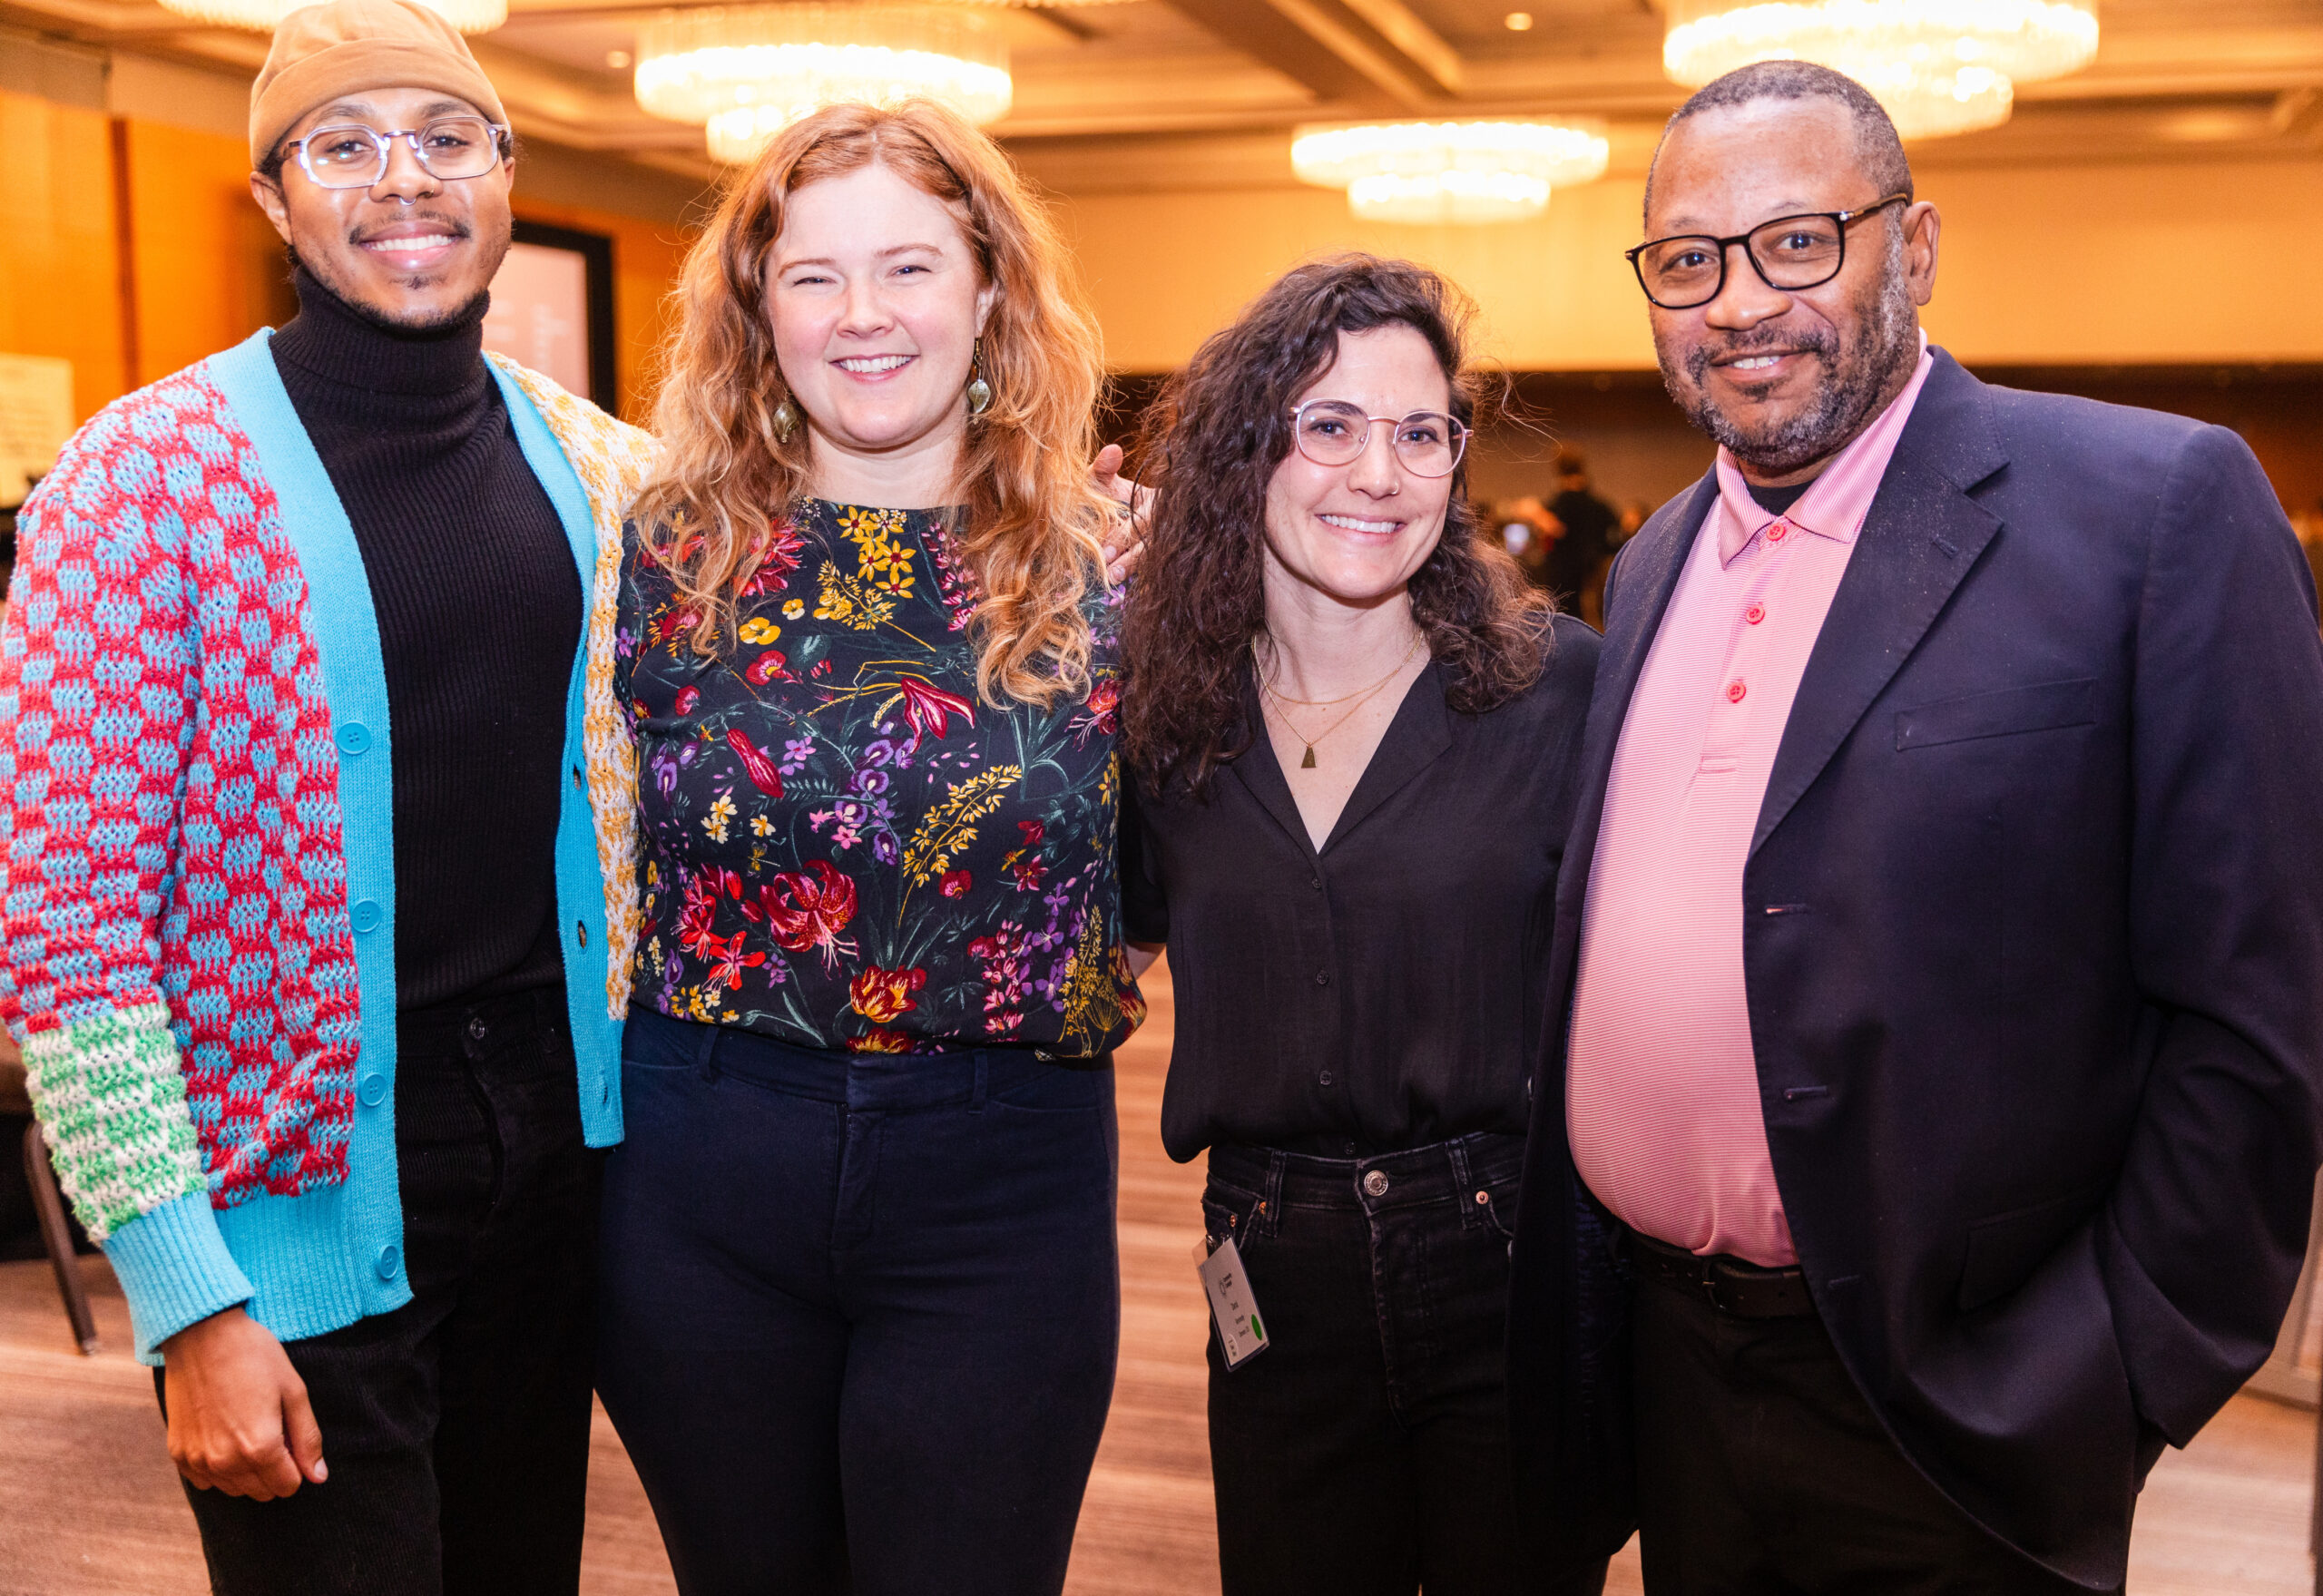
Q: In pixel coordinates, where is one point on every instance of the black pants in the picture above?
(1365, 1451)
(861, 1311)
(1762, 1472)
(457, 1427)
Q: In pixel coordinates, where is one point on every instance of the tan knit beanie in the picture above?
(345, 46)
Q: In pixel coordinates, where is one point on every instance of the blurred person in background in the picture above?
(1529, 533)
(1352, 728)
(1586, 546)
(307, 931)
(861, 1298)
(1936, 1023)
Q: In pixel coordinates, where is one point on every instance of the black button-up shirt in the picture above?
(1387, 992)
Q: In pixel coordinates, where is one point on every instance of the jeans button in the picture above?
(1375, 1184)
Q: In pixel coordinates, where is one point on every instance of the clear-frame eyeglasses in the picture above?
(349, 155)
(1332, 432)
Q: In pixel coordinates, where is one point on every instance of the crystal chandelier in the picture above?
(746, 72)
(1939, 67)
(470, 16)
(1440, 172)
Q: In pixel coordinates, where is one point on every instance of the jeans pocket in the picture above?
(1226, 1214)
(1055, 1090)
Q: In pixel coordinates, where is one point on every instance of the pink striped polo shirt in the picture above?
(1662, 1090)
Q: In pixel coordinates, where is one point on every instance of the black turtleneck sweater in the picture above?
(479, 613)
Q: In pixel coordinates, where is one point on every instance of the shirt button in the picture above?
(1375, 1184)
(475, 1028)
(390, 1259)
(1327, 1077)
(372, 1089)
(1775, 532)
(1754, 614)
(1735, 690)
(354, 738)
(1322, 977)
(1316, 882)
(367, 916)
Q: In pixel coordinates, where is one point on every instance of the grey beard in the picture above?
(1844, 404)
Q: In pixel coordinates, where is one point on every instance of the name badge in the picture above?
(1240, 1332)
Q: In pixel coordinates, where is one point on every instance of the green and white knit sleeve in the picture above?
(112, 1107)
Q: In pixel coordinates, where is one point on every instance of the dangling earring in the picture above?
(979, 390)
(786, 420)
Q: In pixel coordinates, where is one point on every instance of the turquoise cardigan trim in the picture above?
(580, 882)
(306, 1265)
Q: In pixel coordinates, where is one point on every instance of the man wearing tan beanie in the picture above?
(305, 701)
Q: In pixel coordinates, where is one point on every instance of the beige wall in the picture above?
(2111, 264)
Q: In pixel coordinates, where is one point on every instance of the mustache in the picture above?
(1759, 340)
(451, 225)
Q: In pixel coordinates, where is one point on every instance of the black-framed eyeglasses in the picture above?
(349, 155)
(1791, 252)
(1332, 432)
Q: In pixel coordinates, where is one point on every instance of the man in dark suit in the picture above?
(1928, 1113)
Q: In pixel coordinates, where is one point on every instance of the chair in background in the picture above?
(55, 1234)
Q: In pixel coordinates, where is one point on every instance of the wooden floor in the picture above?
(89, 1507)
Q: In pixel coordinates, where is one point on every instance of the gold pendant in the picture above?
(1308, 762)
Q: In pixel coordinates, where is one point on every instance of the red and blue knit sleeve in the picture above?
(98, 692)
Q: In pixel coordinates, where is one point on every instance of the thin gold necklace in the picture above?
(1283, 704)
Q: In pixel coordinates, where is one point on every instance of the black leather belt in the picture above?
(1744, 1290)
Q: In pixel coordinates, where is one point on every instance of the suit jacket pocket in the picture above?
(2005, 1251)
(2044, 707)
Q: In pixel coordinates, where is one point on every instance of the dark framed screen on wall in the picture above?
(553, 310)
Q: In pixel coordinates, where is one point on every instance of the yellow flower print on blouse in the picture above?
(793, 608)
(760, 629)
(722, 815)
(882, 546)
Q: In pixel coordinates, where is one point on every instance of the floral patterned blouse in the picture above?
(842, 847)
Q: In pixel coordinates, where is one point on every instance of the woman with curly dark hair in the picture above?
(1352, 725)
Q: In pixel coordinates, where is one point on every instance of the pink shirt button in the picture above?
(1774, 532)
(1754, 614)
(1734, 691)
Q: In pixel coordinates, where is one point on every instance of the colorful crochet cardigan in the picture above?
(200, 904)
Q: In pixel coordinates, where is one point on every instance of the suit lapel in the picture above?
(1921, 538)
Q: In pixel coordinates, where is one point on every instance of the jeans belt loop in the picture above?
(981, 1082)
(1270, 1212)
(1464, 1186)
(705, 1058)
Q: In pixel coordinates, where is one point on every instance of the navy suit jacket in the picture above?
(2034, 946)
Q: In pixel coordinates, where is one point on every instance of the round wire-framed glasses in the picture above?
(1332, 432)
(349, 155)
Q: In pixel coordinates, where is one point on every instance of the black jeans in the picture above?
(1365, 1451)
(457, 1427)
(1763, 1472)
(860, 1312)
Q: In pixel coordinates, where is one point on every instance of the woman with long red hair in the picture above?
(861, 1296)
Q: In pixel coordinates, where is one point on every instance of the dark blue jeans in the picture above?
(859, 1312)
(1365, 1451)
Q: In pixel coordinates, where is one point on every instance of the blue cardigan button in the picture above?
(390, 1260)
(372, 1089)
(368, 915)
(354, 738)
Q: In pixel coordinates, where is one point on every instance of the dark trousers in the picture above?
(457, 1427)
(1763, 1472)
(1365, 1451)
(860, 1312)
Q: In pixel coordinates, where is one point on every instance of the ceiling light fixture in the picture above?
(1939, 67)
(1518, 22)
(1449, 171)
(470, 16)
(746, 72)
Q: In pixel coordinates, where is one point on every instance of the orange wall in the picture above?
(58, 265)
(208, 269)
